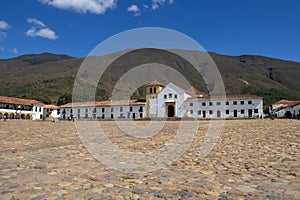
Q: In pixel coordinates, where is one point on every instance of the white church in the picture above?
(173, 101)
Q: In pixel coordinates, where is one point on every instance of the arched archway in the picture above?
(11, 116)
(171, 111)
(17, 116)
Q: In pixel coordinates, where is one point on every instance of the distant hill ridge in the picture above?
(49, 77)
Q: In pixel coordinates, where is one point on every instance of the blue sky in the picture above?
(233, 27)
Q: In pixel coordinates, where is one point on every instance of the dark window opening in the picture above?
(141, 109)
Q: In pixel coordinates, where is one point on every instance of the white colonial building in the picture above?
(285, 109)
(173, 101)
(122, 109)
(51, 111)
(16, 108)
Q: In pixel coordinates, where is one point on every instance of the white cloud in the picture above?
(82, 6)
(15, 50)
(36, 22)
(135, 9)
(4, 25)
(157, 3)
(40, 29)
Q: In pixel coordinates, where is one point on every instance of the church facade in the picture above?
(173, 101)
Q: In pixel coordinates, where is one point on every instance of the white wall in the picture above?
(38, 110)
(55, 113)
(293, 110)
(197, 109)
(173, 94)
(115, 112)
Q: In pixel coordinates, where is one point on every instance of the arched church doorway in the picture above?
(171, 111)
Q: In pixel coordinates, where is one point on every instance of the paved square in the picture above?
(253, 159)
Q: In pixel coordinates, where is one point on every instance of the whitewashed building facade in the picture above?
(241, 106)
(285, 109)
(173, 101)
(17, 108)
(51, 111)
(127, 109)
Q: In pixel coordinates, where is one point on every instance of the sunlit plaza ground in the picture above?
(253, 159)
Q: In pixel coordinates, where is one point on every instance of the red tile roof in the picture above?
(155, 83)
(283, 101)
(51, 106)
(286, 104)
(228, 97)
(194, 92)
(19, 101)
(104, 103)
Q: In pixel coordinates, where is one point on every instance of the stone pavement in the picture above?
(253, 159)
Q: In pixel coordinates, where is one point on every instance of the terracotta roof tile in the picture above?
(51, 106)
(155, 83)
(194, 92)
(228, 97)
(104, 103)
(19, 101)
(283, 101)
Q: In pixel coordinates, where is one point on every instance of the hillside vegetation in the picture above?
(50, 77)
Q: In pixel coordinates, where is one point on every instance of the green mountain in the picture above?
(50, 77)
